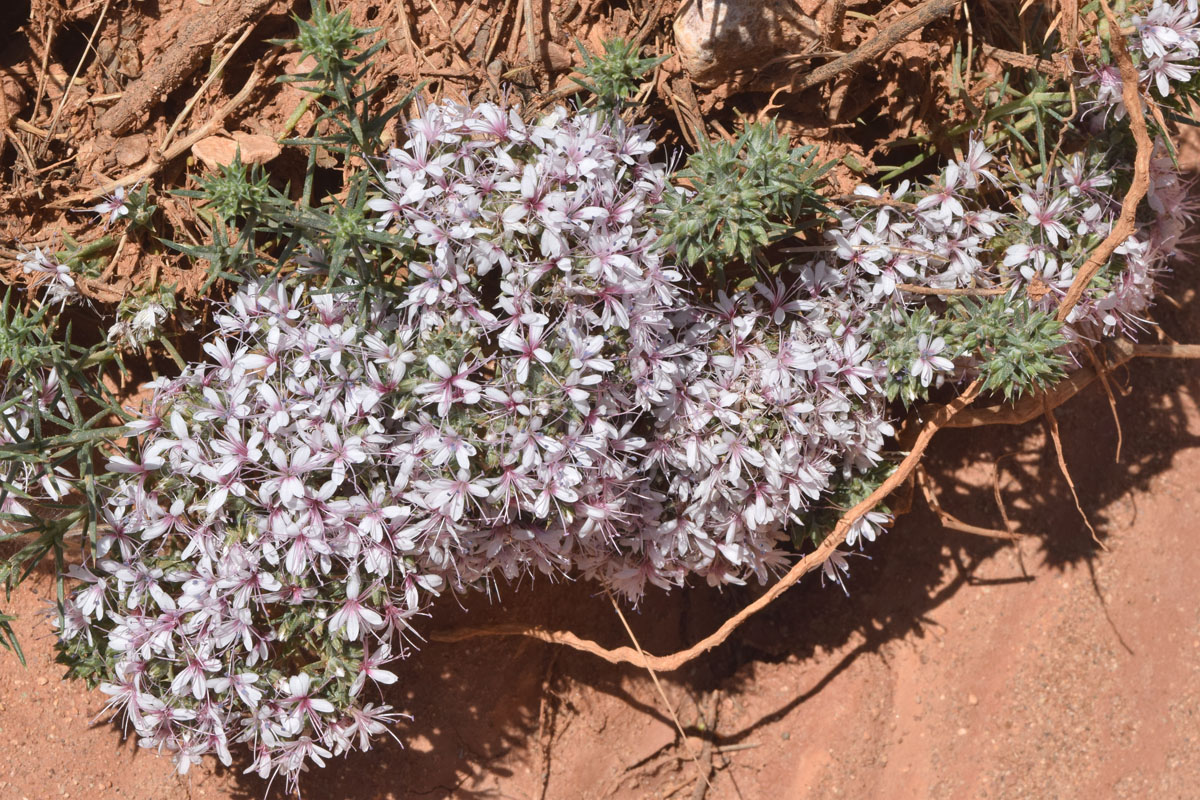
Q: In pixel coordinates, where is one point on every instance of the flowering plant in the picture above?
(543, 399)
(493, 364)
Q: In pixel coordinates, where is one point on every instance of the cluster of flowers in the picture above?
(1165, 45)
(55, 276)
(962, 232)
(544, 399)
(547, 397)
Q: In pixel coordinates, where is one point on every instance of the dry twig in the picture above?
(494, 39)
(833, 15)
(530, 37)
(466, 17)
(1025, 61)
(1112, 399)
(545, 721)
(195, 41)
(212, 76)
(1070, 24)
(1008, 524)
(514, 37)
(1033, 406)
(687, 110)
(1052, 423)
(952, 522)
(886, 39)
(956, 414)
(658, 685)
(706, 752)
(62, 101)
(885, 201)
(406, 30)
(45, 71)
(648, 23)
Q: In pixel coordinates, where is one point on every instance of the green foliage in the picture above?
(1024, 110)
(55, 410)
(745, 195)
(613, 76)
(258, 228)
(337, 81)
(1016, 348)
(8, 639)
(236, 191)
(327, 38)
(141, 210)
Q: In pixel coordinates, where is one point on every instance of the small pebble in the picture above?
(558, 56)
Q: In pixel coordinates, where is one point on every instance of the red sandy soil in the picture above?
(958, 667)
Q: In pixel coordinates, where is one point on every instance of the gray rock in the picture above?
(732, 40)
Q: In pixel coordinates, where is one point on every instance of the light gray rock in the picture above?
(732, 40)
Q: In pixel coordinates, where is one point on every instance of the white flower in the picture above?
(928, 361)
(836, 568)
(113, 207)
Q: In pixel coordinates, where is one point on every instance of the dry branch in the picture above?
(1052, 426)
(194, 43)
(952, 522)
(62, 101)
(1102, 371)
(886, 39)
(706, 752)
(1025, 61)
(955, 414)
(1070, 24)
(658, 686)
(216, 72)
